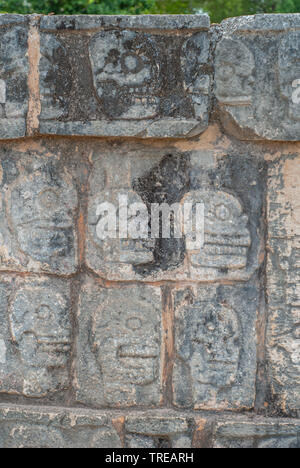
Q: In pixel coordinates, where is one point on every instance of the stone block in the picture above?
(38, 211)
(14, 68)
(118, 346)
(257, 433)
(120, 77)
(28, 427)
(164, 431)
(231, 188)
(256, 73)
(215, 346)
(283, 277)
(35, 336)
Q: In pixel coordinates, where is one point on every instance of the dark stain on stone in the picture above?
(165, 183)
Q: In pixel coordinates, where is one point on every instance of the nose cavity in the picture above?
(44, 312)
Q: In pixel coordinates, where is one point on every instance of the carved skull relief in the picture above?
(125, 74)
(289, 71)
(194, 56)
(215, 345)
(126, 342)
(118, 252)
(226, 235)
(41, 208)
(234, 69)
(40, 326)
(13, 76)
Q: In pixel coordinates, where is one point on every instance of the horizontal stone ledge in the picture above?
(150, 76)
(53, 427)
(89, 22)
(262, 22)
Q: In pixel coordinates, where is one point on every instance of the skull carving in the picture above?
(226, 235)
(215, 345)
(42, 209)
(234, 73)
(40, 326)
(13, 73)
(289, 71)
(126, 342)
(125, 74)
(118, 252)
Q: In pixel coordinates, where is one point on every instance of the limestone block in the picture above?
(257, 433)
(256, 77)
(38, 209)
(165, 431)
(35, 336)
(14, 68)
(231, 189)
(118, 346)
(215, 346)
(28, 427)
(283, 278)
(124, 76)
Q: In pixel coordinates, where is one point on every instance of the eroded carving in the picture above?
(289, 71)
(234, 69)
(41, 208)
(36, 334)
(283, 333)
(124, 347)
(226, 235)
(126, 75)
(118, 254)
(13, 82)
(41, 329)
(194, 59)
(210, 347)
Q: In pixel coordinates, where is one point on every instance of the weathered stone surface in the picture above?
(257, 433)
(283, 277)
(118, 346)
(38, 210)
(27, 427)
(231, 189)
(141, 81)
(215, 346)
(14, 70)
(35, 336)
(256, 65)
(165, 431)
(90, 22)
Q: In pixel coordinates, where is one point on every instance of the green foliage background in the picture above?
(217, 9)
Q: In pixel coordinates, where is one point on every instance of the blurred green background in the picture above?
(217, 9)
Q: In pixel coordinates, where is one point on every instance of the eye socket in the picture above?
(48, 199)
(44, 312)
(222, 213)
(131, 63)
(134, 323)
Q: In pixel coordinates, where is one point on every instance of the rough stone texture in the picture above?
(22, 427)
(233, 224)
(257, 434)
(14, 68)
(165, 344)
(38, 210)
(283, 282)
(118, 346)
(150, 431)
(256, 63)
(129, 80)
(215, 342)
(35, 336)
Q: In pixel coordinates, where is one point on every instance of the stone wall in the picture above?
(130, 343)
